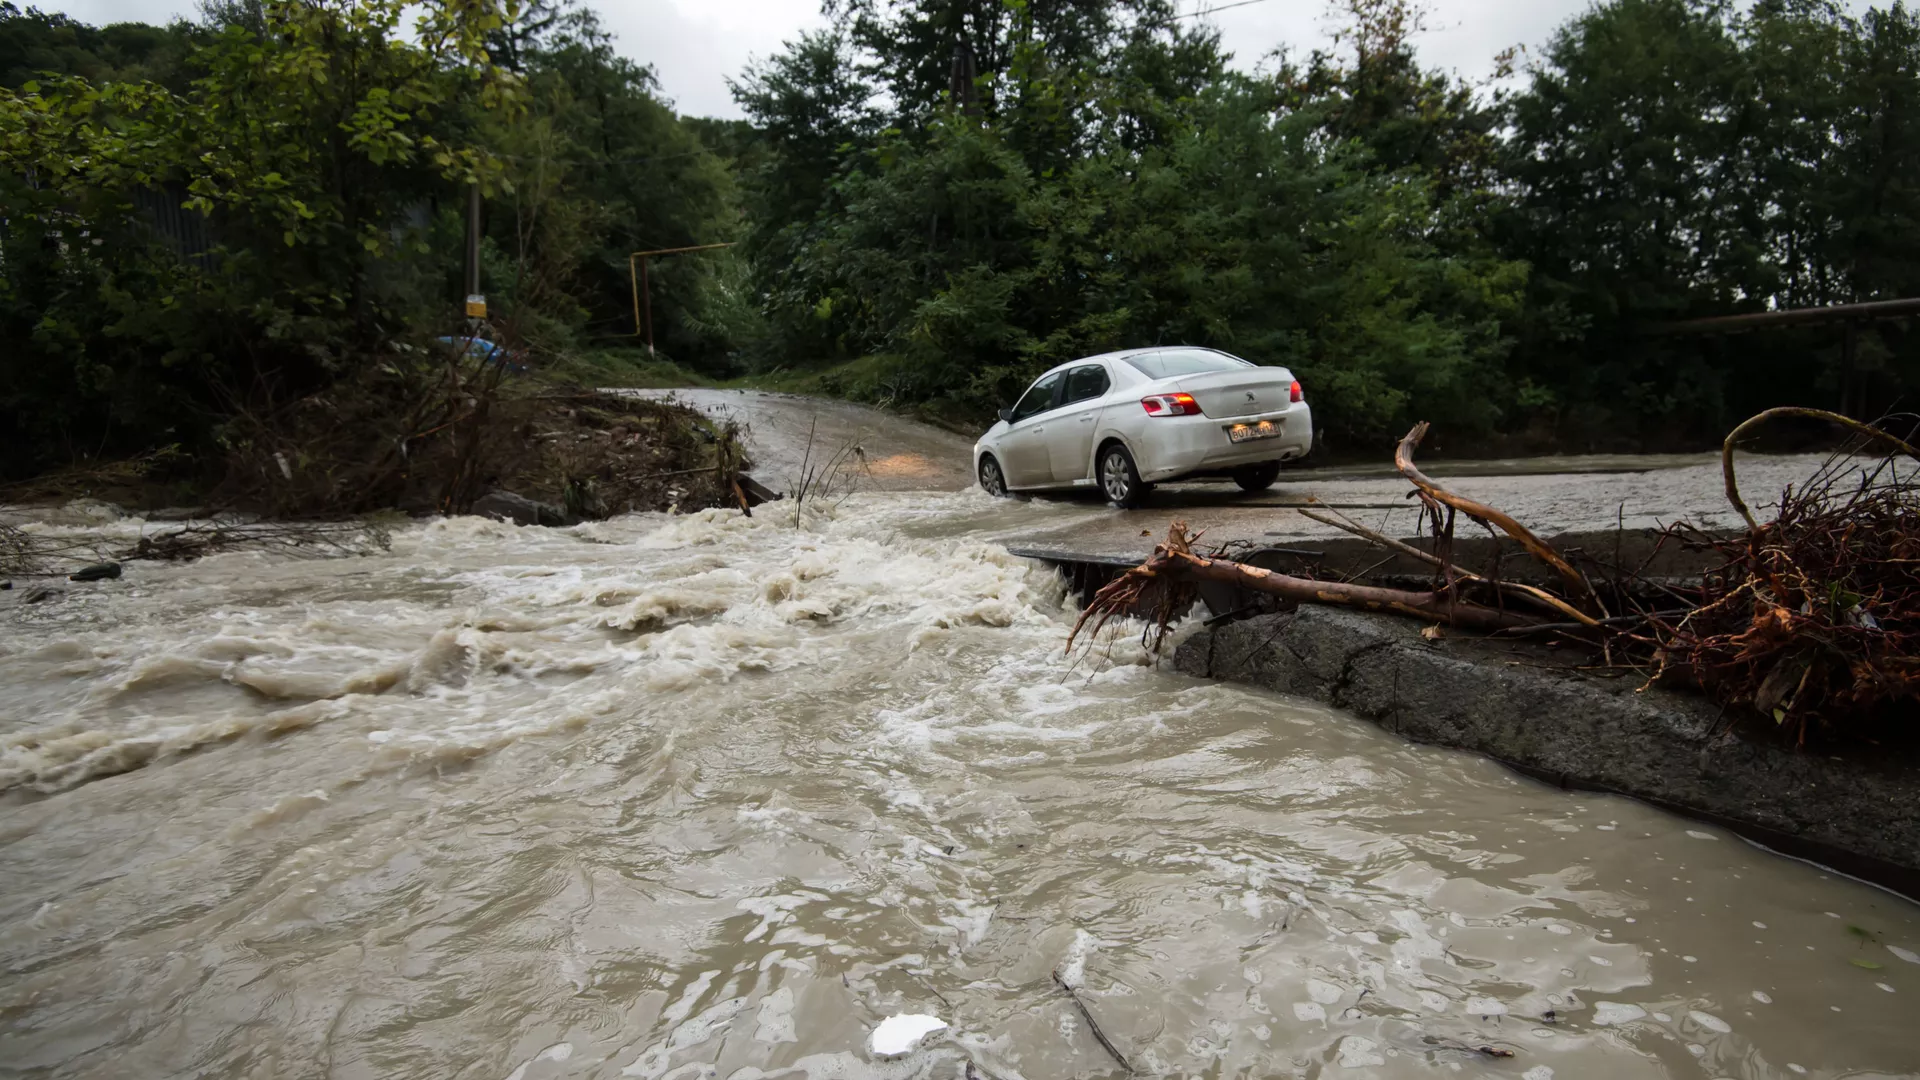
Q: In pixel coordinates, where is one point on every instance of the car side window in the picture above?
(1037, 399)
(1086, 383)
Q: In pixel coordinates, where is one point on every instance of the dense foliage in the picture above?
(1412, 245)
(938, 198)
(216, 220)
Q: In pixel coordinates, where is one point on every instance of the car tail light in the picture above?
(1295, 394)
(1170, 405)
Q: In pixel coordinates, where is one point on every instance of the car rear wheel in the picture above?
(1119, 479)
(1257, 477)
(992, 481)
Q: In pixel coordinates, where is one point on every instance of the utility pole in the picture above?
(960, 82)
(476, 301)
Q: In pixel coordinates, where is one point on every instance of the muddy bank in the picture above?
(1860, 816)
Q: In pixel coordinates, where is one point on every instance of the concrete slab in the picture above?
(1637, 492)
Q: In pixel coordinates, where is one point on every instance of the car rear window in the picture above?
(1166, 363)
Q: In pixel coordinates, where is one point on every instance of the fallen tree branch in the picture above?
(1726, 447)
(1538, 548)
(1527, 592)
(1427, 605)
(1092, 1024)
(1173, 561)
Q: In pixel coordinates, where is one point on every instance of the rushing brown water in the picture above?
(709, 797)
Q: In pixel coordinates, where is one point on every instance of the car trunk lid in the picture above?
(1240, 392)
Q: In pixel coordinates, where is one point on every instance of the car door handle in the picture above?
(1086, 419)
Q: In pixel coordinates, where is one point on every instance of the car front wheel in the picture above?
(1119, 479)
(1257, 477)
(992, 481)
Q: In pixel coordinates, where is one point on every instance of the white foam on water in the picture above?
(774, 1023)
(1710, 1022)
(1609, 1013)
(900, 1033)
(1324, 992)
(694, 1030)
(1073, 970)
(1357, 1052)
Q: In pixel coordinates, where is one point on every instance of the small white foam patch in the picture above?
(1710, 1022)
(1486, 1006)
(1323, 992)
(1538, 1072)
(775, 1022)
(1908, 955)
(1309, 1011)
(1358, 1053)
(1608, 1013)
(1698, 835)
(1074, 971)
(1761, 997)
(900, 1034)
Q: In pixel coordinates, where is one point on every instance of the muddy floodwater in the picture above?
(710, 797)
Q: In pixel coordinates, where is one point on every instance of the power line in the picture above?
(1200, 13)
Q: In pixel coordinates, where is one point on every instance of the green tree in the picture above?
(302, 155)
(34, 44)
(601, 168)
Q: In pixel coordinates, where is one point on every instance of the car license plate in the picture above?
(1265, 429)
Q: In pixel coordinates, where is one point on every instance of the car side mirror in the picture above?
(1007, 415)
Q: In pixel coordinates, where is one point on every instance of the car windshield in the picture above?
(1166, 363)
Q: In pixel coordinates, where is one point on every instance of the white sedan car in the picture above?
(1127, 420)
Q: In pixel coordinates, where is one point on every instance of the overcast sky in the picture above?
(694, 45)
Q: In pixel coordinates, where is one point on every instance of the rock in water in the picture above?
(96, 572)
(898, 1035)
(518, 509)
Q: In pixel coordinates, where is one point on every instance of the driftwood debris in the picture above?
(1538, 548)
(1810, 621)
(1813, 621)
(93, 557)
(1092, 1024)
(1164, 582)
(1166, 578)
